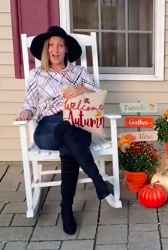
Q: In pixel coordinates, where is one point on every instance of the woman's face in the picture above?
(56, 50)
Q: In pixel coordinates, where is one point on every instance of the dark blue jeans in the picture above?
(44, 133)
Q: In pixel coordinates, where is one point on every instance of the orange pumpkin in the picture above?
(152, 196)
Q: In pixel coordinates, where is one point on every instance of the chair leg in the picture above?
(28, 187)
(116, 181)
(36, 171)
(101, 165)
(32, 195)
(36, 191)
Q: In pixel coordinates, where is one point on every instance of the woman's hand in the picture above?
(26, 115)
(72, 92)
(75, 91)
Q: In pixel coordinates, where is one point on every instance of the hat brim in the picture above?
(74, 49)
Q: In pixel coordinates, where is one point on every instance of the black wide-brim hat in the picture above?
(74, 49)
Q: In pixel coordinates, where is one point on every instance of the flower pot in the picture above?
(135, 180)
(166, 146)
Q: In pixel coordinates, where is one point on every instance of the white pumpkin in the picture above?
(161, 178)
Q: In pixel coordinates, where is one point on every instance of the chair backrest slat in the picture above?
(84, 41)
(84, 57)
(25, 46)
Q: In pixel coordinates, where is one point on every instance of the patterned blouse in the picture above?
(44, 89)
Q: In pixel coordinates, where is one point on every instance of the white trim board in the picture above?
(158, 43)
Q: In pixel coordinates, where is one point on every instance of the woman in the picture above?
(47, 84)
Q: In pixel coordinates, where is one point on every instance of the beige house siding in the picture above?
(12, 90)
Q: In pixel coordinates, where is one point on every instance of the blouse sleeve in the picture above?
(31, 99)
(88, 82)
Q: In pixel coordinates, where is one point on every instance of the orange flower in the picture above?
(130, 136)
(166, 114)
(124, 141)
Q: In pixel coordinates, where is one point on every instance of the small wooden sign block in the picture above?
(138, 107)
(141, 136)
(139, 122)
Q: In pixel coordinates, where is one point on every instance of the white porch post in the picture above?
(65, 16)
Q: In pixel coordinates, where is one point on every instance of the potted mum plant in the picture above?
(161, 126)
(138, 160)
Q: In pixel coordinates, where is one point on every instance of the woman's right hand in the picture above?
(26, 115)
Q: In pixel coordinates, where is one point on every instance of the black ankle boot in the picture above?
(68, 220)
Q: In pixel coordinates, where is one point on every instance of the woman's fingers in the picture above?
(24, 116)
(70, 95)
(21, 118)
(72, 92)
(68, 92)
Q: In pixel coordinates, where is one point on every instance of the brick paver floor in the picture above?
(100, 227)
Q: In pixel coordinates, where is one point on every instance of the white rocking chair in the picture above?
(102, 150)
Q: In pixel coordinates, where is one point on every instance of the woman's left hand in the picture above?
(73, 91)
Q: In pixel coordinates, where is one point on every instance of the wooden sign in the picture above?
(141, 136)
(139, 122)
(138, 107)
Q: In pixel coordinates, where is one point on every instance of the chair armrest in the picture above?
(112, 116)
(18, 123)
(22, 127)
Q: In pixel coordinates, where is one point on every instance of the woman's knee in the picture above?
(45, 140)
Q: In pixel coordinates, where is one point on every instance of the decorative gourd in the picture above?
(152, 196)
(162, 178)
